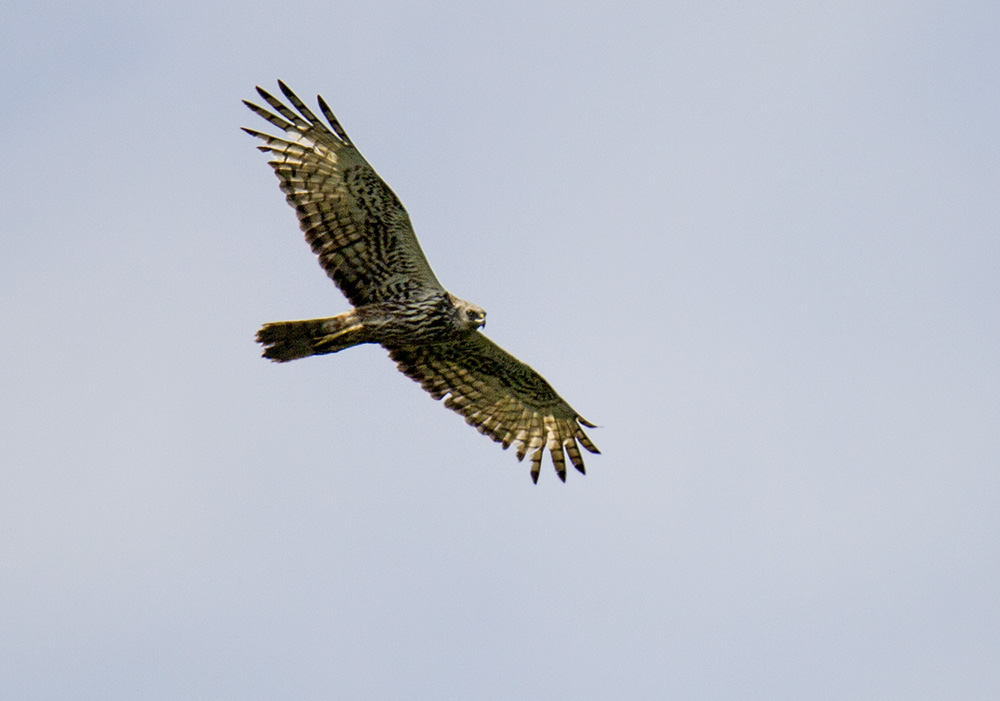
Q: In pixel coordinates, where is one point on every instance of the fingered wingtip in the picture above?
(287, 91)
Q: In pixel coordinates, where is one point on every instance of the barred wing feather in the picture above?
(502, 397)
(352, 220)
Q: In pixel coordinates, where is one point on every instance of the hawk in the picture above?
(364, 240)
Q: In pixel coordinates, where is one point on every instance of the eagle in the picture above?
(364, 240)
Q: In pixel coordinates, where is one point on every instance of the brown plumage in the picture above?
(365, 242)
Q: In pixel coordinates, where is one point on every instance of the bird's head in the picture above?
(469, 314)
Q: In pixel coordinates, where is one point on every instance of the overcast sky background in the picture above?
(758, 243)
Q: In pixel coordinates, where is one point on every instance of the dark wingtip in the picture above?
(534, 477)
(287, 91)
(586, 423)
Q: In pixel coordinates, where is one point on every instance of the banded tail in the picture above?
(290, 340)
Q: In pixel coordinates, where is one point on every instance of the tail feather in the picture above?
(289, 340)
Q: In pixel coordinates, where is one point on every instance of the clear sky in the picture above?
(758, 243)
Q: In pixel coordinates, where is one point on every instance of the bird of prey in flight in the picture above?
(364, 240)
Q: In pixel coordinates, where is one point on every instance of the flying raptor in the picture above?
(364, 240)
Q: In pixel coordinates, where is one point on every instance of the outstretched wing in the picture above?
(501, 396)
(352, 220)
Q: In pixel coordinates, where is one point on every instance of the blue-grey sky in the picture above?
(758, 243)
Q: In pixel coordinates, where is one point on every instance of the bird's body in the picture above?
(364, 240)
(428, 319)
